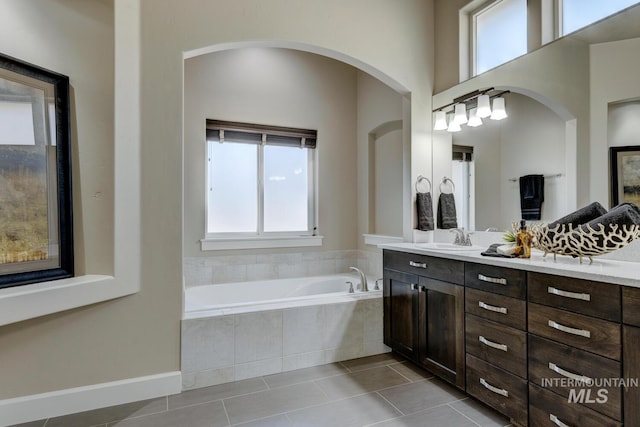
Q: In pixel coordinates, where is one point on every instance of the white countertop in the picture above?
(601, 270)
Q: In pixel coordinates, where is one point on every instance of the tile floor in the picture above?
(381, 391)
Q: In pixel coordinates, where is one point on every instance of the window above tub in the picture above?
(261, 189)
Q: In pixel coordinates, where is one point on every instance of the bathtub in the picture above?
(236, 331)
(233, 298)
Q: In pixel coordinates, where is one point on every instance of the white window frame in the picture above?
(468, 30)
(263, 239)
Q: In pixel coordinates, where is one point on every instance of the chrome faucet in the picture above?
(461, 238)
(363, 279)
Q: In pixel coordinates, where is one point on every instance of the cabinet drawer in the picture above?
(499, 280)
(631, 306)
(497, 344)
(582, 296)
(561, 368)
(595, 335)
(506, 310)
(547, 409)
(433, 267)
(499, 389)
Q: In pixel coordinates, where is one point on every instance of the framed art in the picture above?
(36, 228)
(625, 174)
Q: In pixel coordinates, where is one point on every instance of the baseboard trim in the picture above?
(63, 402)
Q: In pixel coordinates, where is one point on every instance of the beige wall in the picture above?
(279, 87)
(139, 335)
(615, 68)
(380, 182)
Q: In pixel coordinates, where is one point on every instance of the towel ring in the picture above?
(444, 181)
(419, 180)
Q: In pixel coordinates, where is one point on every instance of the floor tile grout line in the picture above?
(224, 408)
(404, 376)
(464, 415)
(392, 405)
(310, 379)
(266, 383)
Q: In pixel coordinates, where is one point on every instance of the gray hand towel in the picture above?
(581, 216)
(531, 196)
(425, 211)
(447, 211)
(493, 251)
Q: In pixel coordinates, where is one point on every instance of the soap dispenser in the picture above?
(523, 241)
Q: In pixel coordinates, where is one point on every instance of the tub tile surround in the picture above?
(241, 268)
(227, 348)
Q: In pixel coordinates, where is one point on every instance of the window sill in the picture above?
(221, 244)
(30, 301)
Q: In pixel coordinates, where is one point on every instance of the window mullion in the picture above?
(261, 186)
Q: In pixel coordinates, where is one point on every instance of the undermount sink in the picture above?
(440, 246)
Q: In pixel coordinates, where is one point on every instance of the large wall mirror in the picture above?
(36, 228)
(564, 110)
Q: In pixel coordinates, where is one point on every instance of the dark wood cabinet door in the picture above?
(631, 370)
(401, 313)
(441, 329)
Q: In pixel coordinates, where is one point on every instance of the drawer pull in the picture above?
(492, 344)
(496, 390)
(414, 287)
(497, 280)
(495, 309)
(557, 421)
(571, 375)
(567, 294)
(418, 264)
(569, 330)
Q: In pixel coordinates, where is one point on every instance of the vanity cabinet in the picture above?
(496, 339)
(424, 312)
(543, 349)
(631, 353)
(575, 338)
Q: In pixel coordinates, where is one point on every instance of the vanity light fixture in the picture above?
(479, 104)
(440, 121)
(499, 112)
(474, 120)
(460, 115)
(454, 126)
(484, 108)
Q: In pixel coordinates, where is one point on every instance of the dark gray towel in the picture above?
(425, 211)
(581, 216)
(447, 211)
(531, 196)
(624, 214)
(493, 251)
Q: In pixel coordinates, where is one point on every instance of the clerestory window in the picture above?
(498, 33)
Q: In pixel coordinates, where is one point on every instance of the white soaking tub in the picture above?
(235, 331)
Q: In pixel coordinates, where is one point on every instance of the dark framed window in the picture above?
(36, 220)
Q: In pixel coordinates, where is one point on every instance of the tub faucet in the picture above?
(363, 279)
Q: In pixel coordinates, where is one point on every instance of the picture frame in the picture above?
(36, 207)
(624, 170)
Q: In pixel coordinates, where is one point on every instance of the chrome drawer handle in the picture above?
(418, 264)
(571, 375)
(557, 421)
(496, 390)
(492, 344)
(486, 306)
(414, 287)
(569, 330)
(567, 294)
(499, 281)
